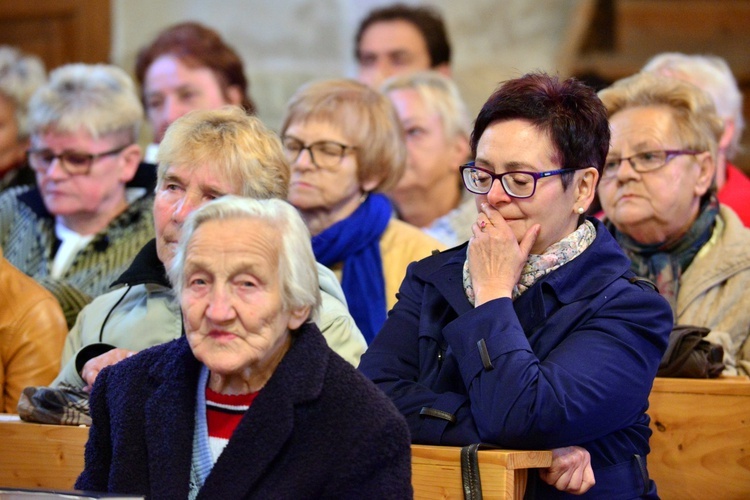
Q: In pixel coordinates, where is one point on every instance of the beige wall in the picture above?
(287, 42)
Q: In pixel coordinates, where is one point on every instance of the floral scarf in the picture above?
(538, 266)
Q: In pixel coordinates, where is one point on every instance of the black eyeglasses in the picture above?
(517, 184)
(324, 154)
(72, 162)
(647, 161)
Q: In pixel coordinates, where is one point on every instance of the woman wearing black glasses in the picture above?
(535, 334)
(659, 197)
(77, 231)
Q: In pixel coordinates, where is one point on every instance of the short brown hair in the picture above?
(428, 22)
(198, 46)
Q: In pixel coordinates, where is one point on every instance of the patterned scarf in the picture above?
(538, 266)
(664, 263)
(355, 241)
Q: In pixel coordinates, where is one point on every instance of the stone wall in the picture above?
(287, 42)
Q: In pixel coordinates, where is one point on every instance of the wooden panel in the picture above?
(683, 25)
(59, 31)
(700, 446)
(436, 471)
(40, 456)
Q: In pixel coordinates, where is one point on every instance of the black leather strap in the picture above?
(470, 470)
(444, 415)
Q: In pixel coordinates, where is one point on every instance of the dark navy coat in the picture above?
(318, 429)
(570, 362)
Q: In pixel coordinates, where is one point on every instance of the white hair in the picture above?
(20, 75)
(298, 272)
(711, 74)
(440, 95)
(98, 98)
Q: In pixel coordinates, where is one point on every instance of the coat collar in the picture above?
(259, 438)
(146, 268)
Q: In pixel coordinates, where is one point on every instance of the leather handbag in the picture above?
(689, 355)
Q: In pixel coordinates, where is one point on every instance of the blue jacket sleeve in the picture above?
(593, 382)
(398, 360)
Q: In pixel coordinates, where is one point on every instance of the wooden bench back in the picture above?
(700, 446)
(40, 456)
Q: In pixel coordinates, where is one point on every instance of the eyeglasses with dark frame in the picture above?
(72, 162)
(646, 161)
(517, 184)
(323, 154)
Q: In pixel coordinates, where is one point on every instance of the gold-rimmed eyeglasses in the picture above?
(323, 154)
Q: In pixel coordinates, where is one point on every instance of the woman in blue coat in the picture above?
(534, 334)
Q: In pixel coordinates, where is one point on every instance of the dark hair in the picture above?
(568, 111)
(197, 46)
(426, 19)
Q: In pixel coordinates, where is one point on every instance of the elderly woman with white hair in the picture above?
(20, 75)
(250, 402)
(659, 197)
(81, 227)
(430, 194)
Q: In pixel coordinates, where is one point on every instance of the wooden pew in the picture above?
(700, 446)
(436, 471)
(40, 456)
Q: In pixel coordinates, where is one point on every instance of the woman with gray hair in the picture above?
(250, 402)
(78, 230)
(430, 194)
(660, 203)
(20, 75)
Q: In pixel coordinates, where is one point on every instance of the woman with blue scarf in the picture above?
(346, 145)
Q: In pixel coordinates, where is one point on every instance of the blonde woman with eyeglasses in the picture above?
(346, 146)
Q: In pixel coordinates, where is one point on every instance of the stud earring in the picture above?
(580, 210)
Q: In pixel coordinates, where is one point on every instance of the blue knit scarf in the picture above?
(355, 241)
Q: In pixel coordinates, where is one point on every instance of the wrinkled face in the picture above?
(517, 145)
(232, 297)
(185, 189)
(11, 149)
(390, 48)
(432, 156)
(68, 195)
(659, 205)
(172, 89)
(334, 190)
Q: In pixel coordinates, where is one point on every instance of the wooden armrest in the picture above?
(436, 471)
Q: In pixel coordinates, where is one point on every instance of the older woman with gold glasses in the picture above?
(346, 145)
